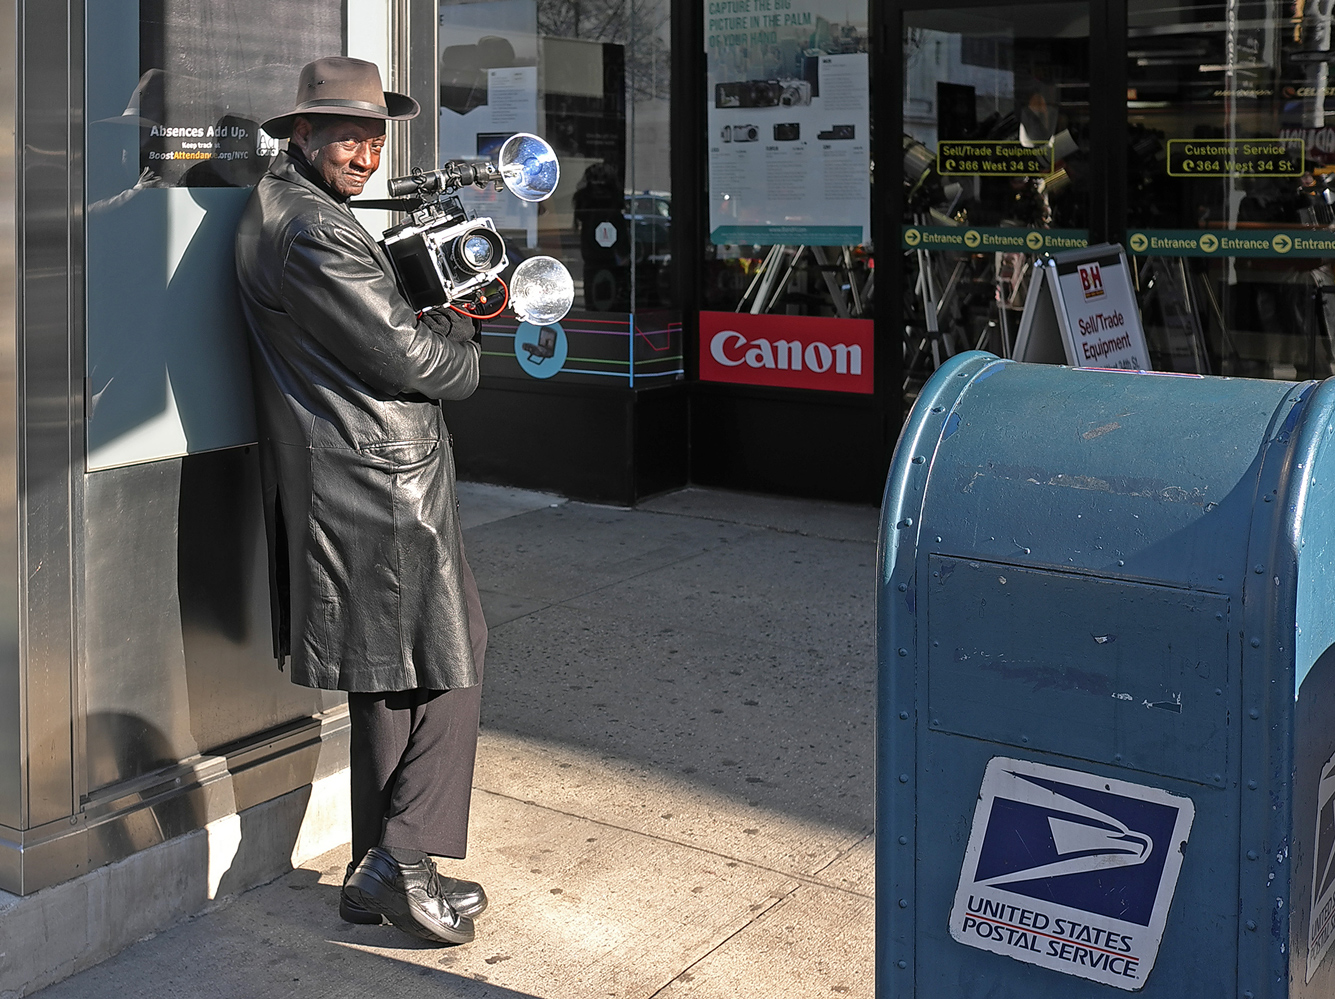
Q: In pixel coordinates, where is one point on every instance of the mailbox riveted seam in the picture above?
(898, 554)
(899, 629)
(1262, 751)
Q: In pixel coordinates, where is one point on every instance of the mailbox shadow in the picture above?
(1229, 517)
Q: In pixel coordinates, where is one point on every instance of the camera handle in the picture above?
(446, 179)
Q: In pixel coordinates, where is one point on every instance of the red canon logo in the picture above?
(786, 351)
(785, 355)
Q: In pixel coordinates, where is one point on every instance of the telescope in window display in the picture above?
(444, 257)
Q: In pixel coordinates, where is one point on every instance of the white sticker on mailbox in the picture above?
(1321, 925)
(1071, 871)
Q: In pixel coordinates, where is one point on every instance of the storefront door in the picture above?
(1231, 201)
(1194, 133)
(1002, 147)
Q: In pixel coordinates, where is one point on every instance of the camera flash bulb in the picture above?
(541, 291)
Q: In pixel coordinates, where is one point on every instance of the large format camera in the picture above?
(444, 257)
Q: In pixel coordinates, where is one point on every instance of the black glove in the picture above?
(450, 324)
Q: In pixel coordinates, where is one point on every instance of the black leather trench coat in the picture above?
(356, 464)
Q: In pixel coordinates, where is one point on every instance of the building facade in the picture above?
(752, 311)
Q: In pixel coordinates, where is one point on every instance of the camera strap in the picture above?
(388, 204)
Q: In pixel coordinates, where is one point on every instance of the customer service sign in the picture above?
(807, 352)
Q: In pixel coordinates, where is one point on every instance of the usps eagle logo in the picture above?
(1071, 871)
(1321, 922)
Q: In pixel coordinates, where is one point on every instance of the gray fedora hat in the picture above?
(147, 106)
(342, 86)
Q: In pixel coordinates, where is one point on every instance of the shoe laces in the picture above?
(433, 886)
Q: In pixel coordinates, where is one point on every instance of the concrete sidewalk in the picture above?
(674, 786)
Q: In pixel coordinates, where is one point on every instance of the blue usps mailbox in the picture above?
(1106, 725)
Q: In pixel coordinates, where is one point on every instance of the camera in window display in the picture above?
(763, 94)
(996, 162)
(1007, 148)
(740, 133)
(838, 133)
(994, 182)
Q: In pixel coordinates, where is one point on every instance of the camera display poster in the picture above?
(489, 91)
(789, 123)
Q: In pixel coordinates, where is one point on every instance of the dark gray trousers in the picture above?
(412, 757)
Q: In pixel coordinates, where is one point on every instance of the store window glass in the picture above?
(175, 93)
(592, 78)
(788, 142)
(1230, 161)
(996, 150)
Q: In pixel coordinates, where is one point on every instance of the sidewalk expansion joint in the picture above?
(761, 527)
(804, 879)
(775, 902)
(565, 601)
(844, 853)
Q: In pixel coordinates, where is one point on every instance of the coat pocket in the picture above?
(400, 456)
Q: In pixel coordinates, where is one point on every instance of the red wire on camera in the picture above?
(505, 300)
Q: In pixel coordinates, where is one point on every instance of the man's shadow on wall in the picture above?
(166, 350)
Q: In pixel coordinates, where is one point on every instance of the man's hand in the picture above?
(147, 178)
(450, 324)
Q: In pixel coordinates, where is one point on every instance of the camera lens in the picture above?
(476, 252)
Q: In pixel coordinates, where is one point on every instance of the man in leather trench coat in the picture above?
(371, 592)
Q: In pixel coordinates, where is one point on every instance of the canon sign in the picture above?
(786, 351)
(786, 355)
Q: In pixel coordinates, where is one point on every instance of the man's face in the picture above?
(345, 153)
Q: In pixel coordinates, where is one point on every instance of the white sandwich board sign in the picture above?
(1081, 310)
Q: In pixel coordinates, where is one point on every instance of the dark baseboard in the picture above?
(815, 445)
(614, 445)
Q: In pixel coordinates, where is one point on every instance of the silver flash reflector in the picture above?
(541, 291)
(528, 167)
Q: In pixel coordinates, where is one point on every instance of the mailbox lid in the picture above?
(1128, 474)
